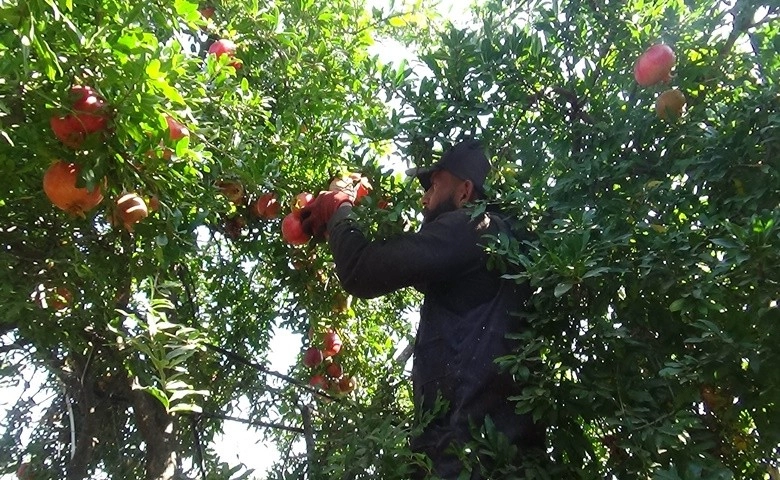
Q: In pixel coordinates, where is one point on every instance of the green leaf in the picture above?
(677, 305)
(158, 394)
(562, 288)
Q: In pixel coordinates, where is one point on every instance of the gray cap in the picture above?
(466, 160)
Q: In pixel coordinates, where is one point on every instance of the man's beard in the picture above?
(445, 206)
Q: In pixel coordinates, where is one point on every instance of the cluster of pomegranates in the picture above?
(353, 184)
(654, 66)
(88, 113)
(328, 373)
(60, 183)
(85, 114)
(264, 206)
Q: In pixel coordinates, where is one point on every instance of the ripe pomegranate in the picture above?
(233, 190)
(292, 230)
(89, 108)
(266, 206)
(331, 344)
(67, 130)
(334, 370)
(300, 201)
(225, 47)
(176, 130)
(312, 357)
(669, 105)
(654, 65)
(88, 115)
(59, 184)
(347, 384)
(130, 209)
(319, 381)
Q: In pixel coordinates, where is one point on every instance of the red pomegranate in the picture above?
(225, 47)
(60, 298)
(312, 357)
(654, 65)
(89, 108)
(88, 115)
(67, 130)
(266, 206)
(207, 12)
(130, 209)
(334, 370)
(25, 472)
(319, 381)
(300, 201)
(292, 230)
(59, 184)
(331, 344)
(153, 203)
(176, 130)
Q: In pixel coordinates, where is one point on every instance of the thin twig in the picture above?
(222, 416)
(72, 426)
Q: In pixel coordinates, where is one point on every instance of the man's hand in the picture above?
(315, 215)
(354, 184)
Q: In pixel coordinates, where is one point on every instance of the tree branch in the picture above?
(278, 426)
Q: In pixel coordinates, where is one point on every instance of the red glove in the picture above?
(316, 214)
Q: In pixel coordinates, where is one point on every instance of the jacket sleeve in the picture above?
(446, 247)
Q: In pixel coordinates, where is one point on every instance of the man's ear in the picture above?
(465, 192)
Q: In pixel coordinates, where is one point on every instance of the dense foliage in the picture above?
(656, 322)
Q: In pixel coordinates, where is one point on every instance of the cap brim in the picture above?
(423, 175)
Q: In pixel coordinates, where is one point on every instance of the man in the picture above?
(468, 309)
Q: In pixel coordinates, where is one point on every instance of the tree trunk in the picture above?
(157, 429)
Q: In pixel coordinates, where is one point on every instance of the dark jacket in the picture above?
(467, 312)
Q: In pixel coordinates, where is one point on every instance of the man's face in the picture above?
(440, 197)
